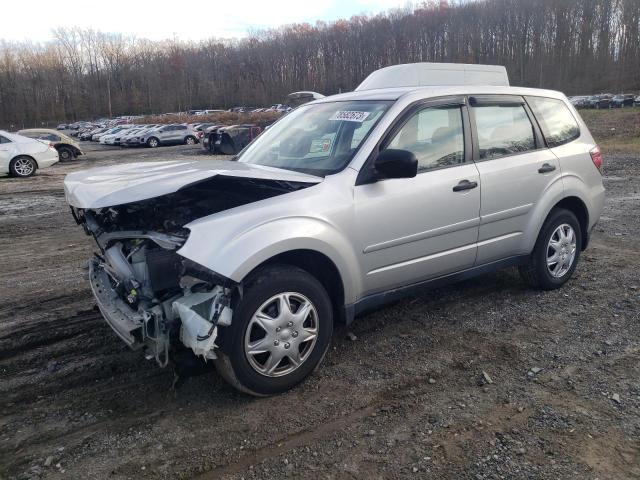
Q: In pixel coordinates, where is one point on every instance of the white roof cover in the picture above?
(435, 74)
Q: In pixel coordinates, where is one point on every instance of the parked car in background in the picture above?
(200, 129)
(96, 136)
(86, 135)
(622, 100)
(132, 139)
(66, 146)
(131, 136)
(62, 126)
(279, 107)
(599, 101)
(170, 135)
(581, 101)
(209, 137)
(21, 156)
(295, 99)
(109, 138)
(232, 139)
(636, 101)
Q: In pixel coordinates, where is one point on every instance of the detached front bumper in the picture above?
(122, 319)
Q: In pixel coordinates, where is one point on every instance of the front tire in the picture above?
(22, 167)
(280, 332)
(153, 142)
(556, 253)
(190, 141)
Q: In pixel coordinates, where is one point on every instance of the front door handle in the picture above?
(546, 168)
(465, 185)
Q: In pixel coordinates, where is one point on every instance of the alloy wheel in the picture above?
(23, 167)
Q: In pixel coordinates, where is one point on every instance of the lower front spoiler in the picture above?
(123, 320)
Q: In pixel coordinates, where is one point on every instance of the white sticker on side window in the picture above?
(350, 116)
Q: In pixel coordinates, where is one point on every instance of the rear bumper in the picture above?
(48, 158)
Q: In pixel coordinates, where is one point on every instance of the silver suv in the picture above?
(169, 135)
(344, 204)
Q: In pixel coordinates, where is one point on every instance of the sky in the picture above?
(186, 20)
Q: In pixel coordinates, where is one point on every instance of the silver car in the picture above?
(170, 135)
(343, 205)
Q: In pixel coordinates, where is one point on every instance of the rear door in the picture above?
(179, 134)
(6, 153)
(515, 169)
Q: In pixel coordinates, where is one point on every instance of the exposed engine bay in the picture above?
(152, 297)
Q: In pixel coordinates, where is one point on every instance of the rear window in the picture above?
(503, 130)
(556, 121)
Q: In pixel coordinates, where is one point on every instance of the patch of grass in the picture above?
(615, 130)
(624, 145)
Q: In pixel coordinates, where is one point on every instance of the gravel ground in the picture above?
(486, 379)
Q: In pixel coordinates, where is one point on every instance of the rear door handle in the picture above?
(546, 168)
(465, 185)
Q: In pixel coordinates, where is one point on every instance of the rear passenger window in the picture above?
(556, 121)
(4, 139)
(503, 130)
(435, 136)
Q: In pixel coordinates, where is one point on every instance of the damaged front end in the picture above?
(150, 298)
(150, 295)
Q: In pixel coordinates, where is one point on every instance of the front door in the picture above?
(413, 229)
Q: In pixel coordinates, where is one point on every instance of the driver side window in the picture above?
(435, 136)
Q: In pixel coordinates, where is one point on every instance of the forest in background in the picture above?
(576, 46)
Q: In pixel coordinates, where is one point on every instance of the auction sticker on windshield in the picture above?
(350, 116)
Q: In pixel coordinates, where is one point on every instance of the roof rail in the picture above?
(435, 74)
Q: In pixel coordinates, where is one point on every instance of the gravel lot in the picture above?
(486, 379)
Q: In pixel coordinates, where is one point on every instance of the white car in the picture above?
(21, 156)
(110, 138)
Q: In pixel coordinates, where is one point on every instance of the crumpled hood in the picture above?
(118, 184)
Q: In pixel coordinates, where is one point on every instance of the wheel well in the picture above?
(322, 268)
(579, 209)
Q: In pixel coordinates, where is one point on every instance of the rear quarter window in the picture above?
(556, 121)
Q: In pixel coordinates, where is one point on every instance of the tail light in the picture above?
(596, 157)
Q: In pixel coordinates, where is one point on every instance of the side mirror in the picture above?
(393, 163)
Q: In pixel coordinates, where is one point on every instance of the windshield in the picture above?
(318, 139)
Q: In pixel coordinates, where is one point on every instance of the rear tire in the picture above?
(153, 142)
(65, 154)
(22, 167)
(280, 332)
(556, 253)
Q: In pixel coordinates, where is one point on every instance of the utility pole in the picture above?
(109, 92)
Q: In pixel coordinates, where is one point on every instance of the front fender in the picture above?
(239, 255)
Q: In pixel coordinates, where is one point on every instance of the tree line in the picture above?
(577, 46)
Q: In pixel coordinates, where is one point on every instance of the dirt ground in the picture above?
(486, 379)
